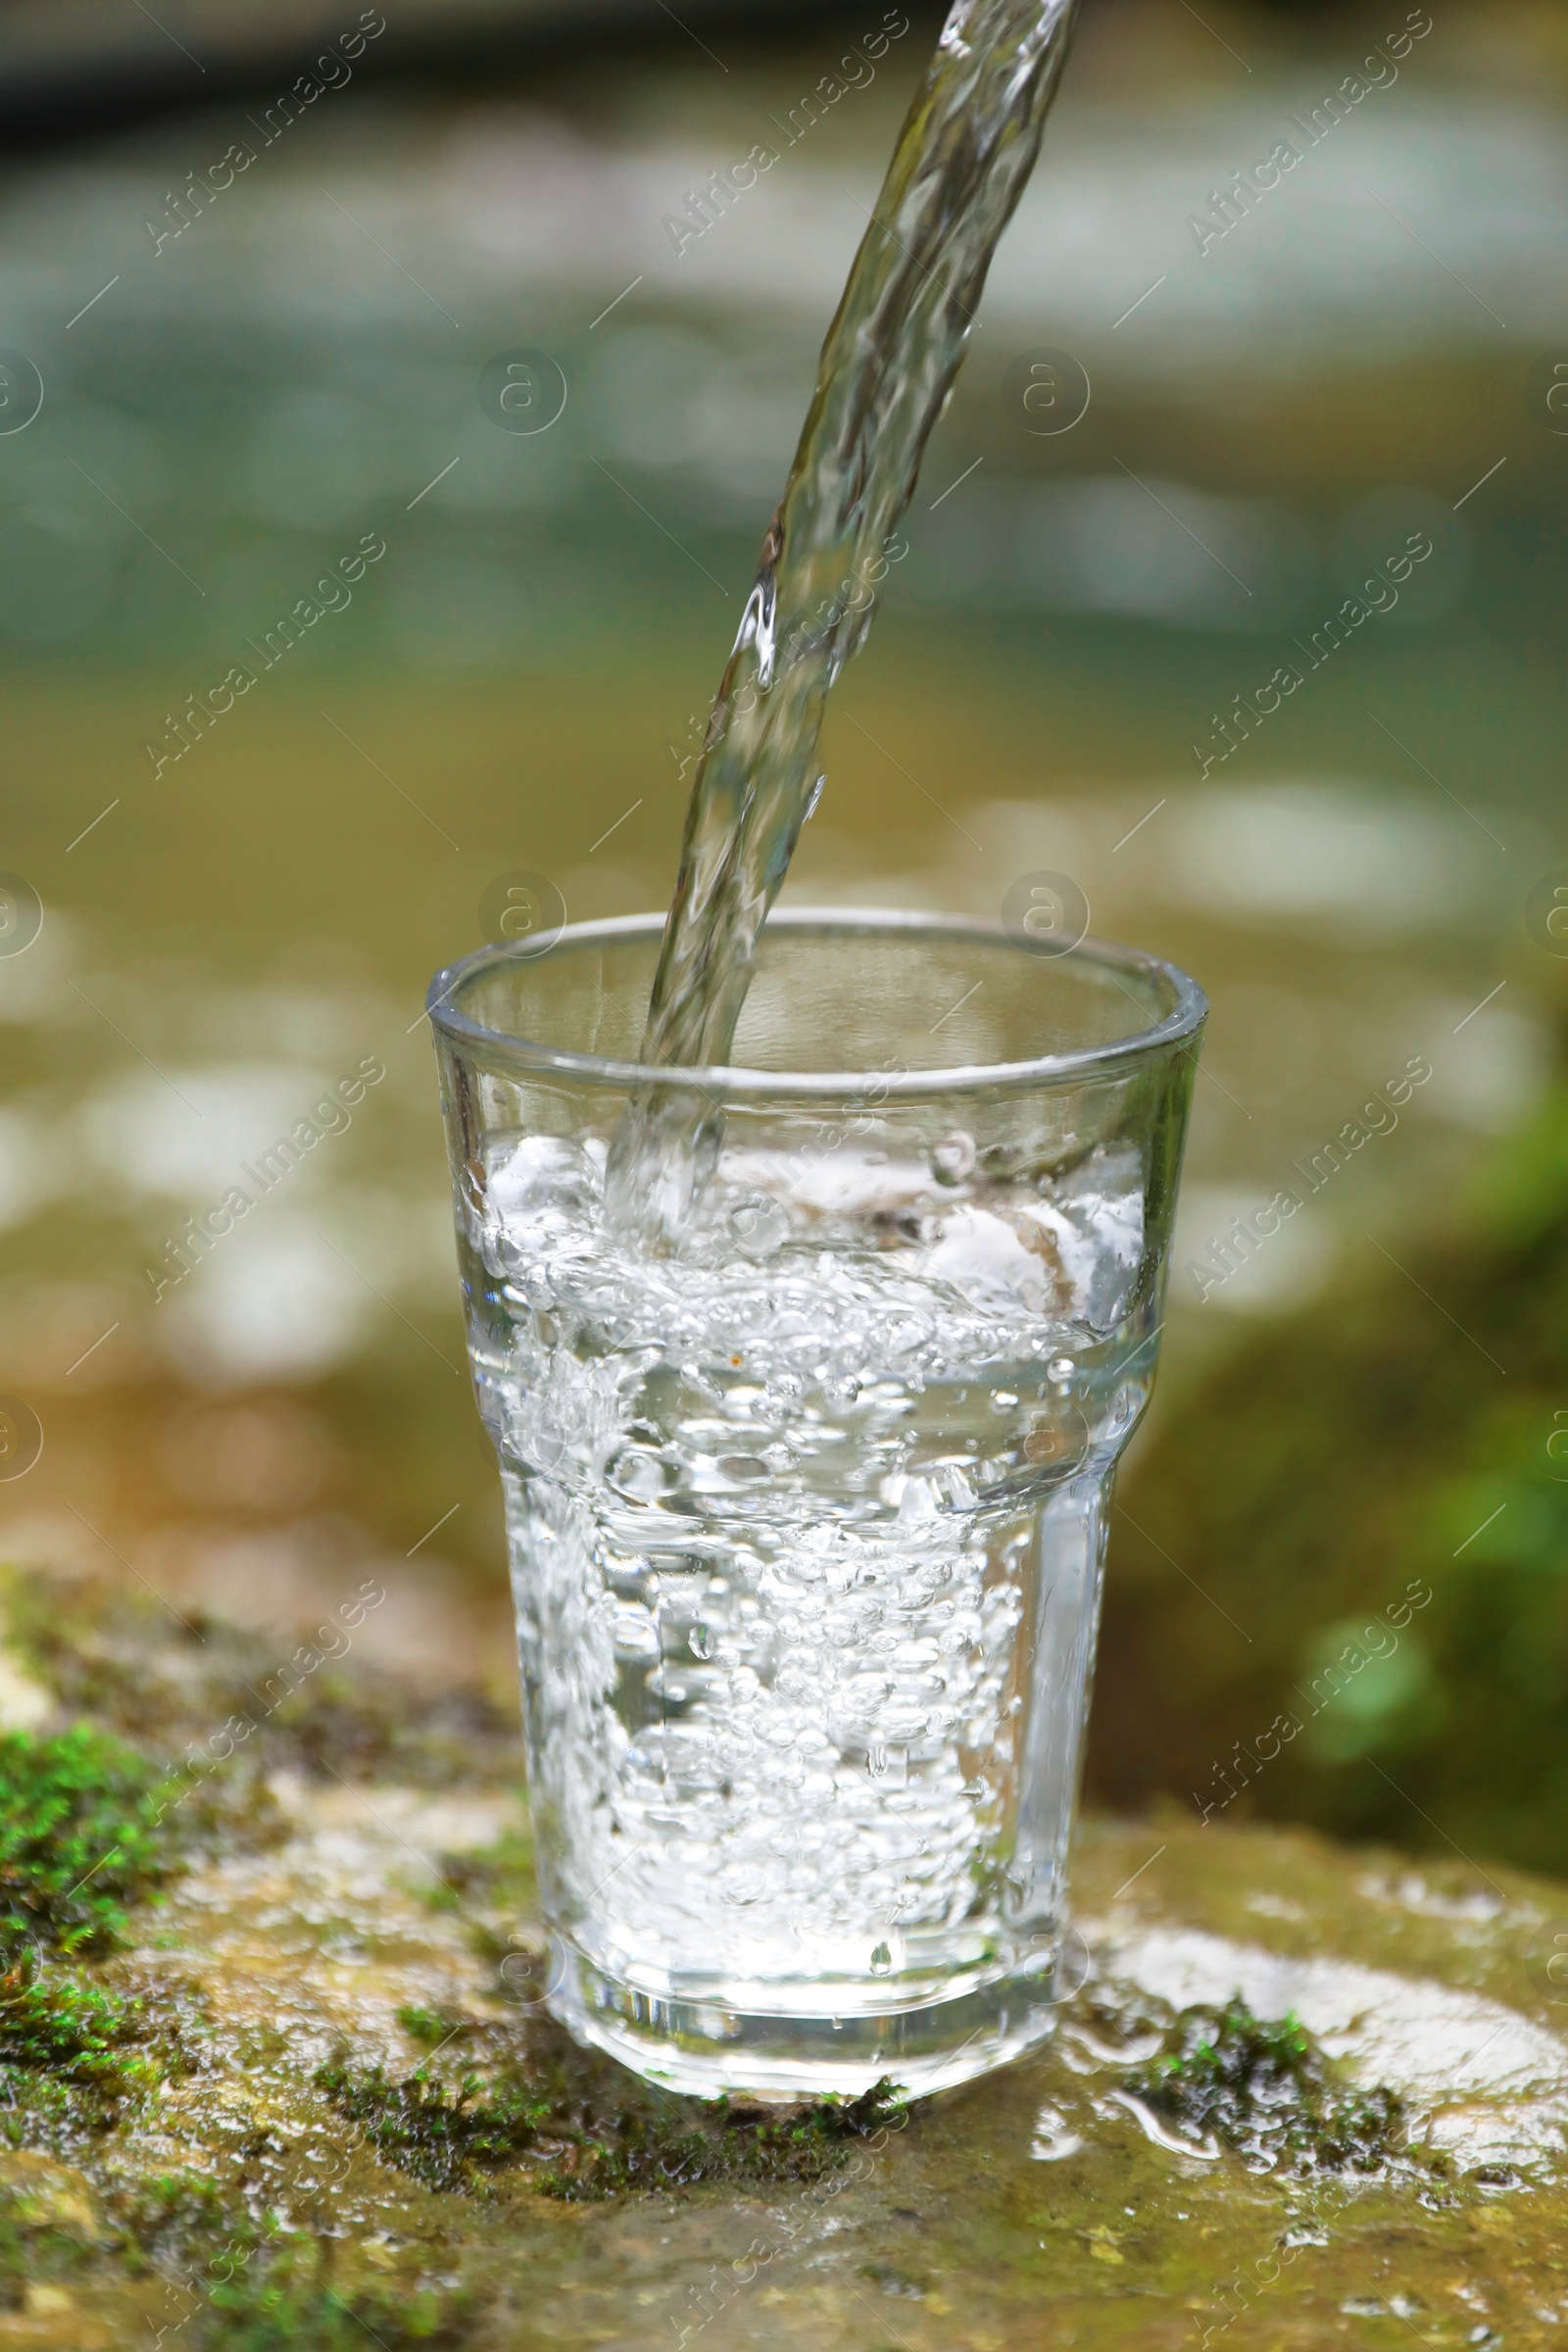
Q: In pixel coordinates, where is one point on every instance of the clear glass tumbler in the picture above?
(807, 1519)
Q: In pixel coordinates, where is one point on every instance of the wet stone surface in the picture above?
(280, 2073)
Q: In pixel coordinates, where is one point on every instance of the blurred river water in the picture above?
(307, 647)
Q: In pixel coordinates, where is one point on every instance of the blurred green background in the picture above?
(1377, 1397)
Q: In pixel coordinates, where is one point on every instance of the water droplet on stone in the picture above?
(881, 1961)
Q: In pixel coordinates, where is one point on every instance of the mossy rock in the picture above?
(81, 1822)
(1368, 1506)
(298, 2090)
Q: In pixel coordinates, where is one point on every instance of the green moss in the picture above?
(587, 2130)
(278, 2316)
(55, 2022)
(182, 2211)
(1267, 2092)
(226, 2280)
(282, 2293)
(81, 1835)
(433, 2026)
(72, 2053)
(499, 1876)
(656, 2143)
(448, 2139)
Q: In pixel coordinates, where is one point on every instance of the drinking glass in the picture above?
(807, 1511)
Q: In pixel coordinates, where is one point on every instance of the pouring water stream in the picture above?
(888, 365)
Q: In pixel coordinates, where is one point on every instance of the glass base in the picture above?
(709, 2049)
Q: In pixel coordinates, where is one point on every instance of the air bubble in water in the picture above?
(881, 1961)
(953, 1158)
(638, 1474)
(758, 1227)
(783, 1395)
(1060, 1367)
(701, 1640)
(876, 1759)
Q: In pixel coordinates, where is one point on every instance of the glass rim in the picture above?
(736, 1082)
